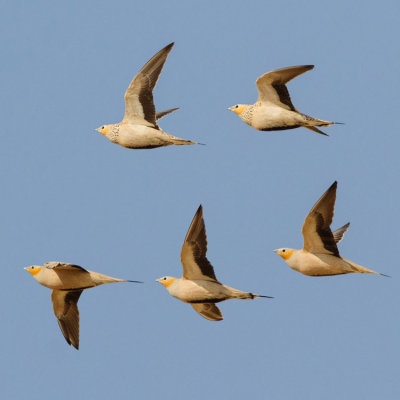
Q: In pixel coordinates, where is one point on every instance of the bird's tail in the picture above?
(180, 142)
(238, 294)
(362, 270)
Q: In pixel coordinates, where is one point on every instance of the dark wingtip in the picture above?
(339, 123)
(134, 281)
(266, 297)
(334, 186)
(387, 276)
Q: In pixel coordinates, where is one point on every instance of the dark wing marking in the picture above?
(61, 265)
(318, 237)
(339, 233)
(194, 249)
(139, 102)
(271, 86)
(65, 305)
(209, 311)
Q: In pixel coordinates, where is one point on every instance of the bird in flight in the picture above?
(274, 109)
(320, 255)
(68, 281)
(139, 128)
(199, 286)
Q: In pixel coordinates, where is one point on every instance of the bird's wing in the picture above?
(161, 114)
(139, 95)
(65, 305)
(271, 86)
(194, 249)
(57, 265)
(314, 129)
(318, 237)
(209, 311)
(339, 233)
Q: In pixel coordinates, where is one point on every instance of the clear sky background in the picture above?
(69, 194)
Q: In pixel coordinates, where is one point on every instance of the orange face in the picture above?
(104, 129)
(166, 281)
(238, 109)
(33, 269)
(284, 253)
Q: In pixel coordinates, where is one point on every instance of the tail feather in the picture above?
(181, 142)
(362, 270)
(259, 295)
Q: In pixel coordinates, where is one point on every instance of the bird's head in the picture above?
(284, 252)
(166, 281)
(103, 129)
(34, 269)
(238, 108)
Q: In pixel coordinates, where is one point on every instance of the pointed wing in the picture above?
(139, 95)
(271, 86)
(318, 237)
(209, 311)
(58, 265)
(314, 129)
(161, 114)
(65, 305)
(339, 233)
(194, 249)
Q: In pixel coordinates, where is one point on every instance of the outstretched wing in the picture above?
(339, 233)
(161, 114)
(318, 237)
(209, 311)
(139, 95)
(271, 86)
(194, 249)
(65, 305)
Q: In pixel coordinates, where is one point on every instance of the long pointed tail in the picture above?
(259, 295)
(362, 270)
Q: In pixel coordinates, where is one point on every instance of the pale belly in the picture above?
(276, 118)
(320, 265)
(198, 291)
(142, 137)
(64, 280)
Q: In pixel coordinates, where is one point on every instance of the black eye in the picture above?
(283, 250)
(32, 267)
(102, 127)
(236, 106)
(165, 279)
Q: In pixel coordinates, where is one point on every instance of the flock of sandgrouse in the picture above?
(199, 286)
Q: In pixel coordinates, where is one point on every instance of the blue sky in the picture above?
(69, 194)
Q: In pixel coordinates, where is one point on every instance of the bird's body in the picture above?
(203, 291)
(68, 282)
(274, 109)
(199, 285)
(323, 264)
(71, 278)
(320, 255)
(274, 118)
(139, 128)
(140, 136)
